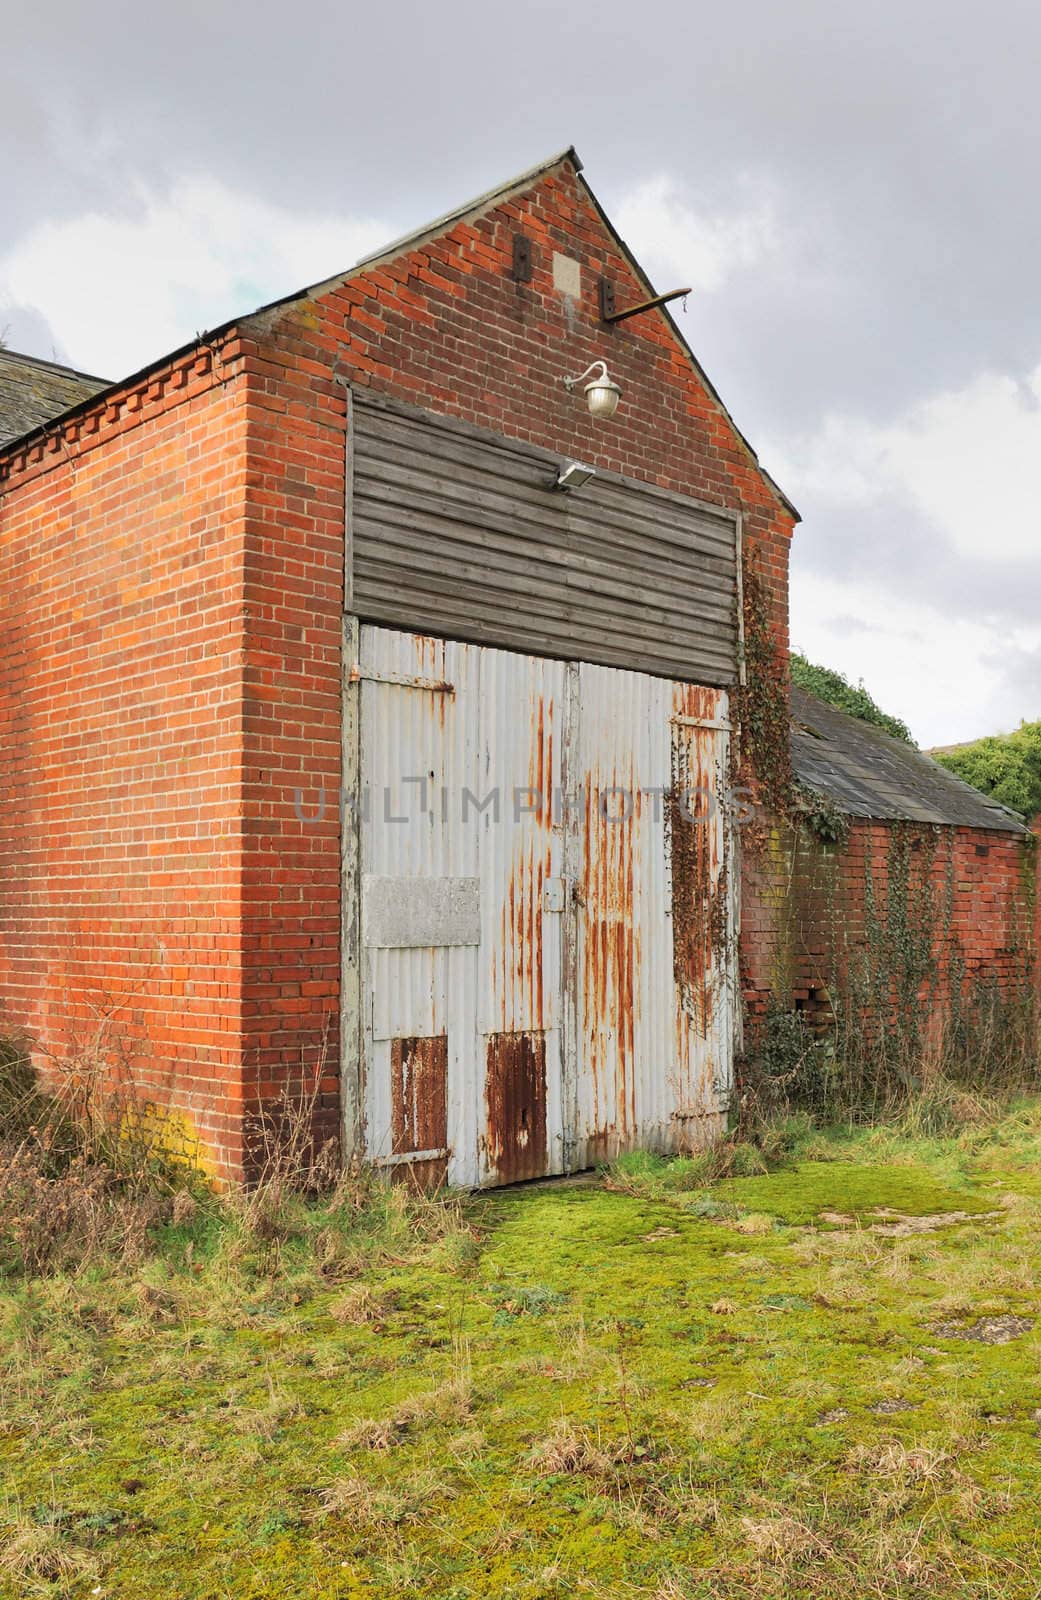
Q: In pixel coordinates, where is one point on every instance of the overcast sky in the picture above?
(852, 190)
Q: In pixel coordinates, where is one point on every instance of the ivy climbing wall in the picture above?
(893, 934)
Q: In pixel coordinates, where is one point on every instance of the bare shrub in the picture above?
(82, 1170)
(50, 1224)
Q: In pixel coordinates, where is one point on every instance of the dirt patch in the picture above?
(897, 1225)
(889, 1408)
(986, 1330)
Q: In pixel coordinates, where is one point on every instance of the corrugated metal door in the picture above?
(462, 900)
(655, 947)
(546, 914)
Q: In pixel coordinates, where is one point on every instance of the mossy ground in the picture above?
(620, 1388)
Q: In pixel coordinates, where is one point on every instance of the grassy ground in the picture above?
(821, 1381)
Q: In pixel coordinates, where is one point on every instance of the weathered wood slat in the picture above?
(459, 532)
(480, 486)
(385, 411)
(604, 586)
(560, 636)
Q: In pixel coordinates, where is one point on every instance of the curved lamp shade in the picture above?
(601, 392)
(602, 396)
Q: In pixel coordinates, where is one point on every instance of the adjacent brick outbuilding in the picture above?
(898, 905)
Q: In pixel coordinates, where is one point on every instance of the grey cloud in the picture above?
(889, 543)
(900, 143)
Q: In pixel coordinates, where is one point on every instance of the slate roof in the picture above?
(33, 392)
(866, 773)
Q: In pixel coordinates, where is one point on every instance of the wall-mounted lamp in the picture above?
(602, 393)
(573, 475)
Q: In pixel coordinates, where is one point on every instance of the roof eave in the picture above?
(429, 230)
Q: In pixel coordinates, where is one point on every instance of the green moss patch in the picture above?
(570, 1390)
(800, 1194)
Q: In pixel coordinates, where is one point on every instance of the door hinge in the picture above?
(400, 680)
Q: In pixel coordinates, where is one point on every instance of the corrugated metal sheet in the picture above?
(579, 1022)
(456, 530)
(655, 925)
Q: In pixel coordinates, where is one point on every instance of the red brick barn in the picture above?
(287, 604)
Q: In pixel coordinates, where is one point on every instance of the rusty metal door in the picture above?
(655, 959)
(546, 910)
(462, 902)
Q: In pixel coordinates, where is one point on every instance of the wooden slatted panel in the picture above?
(456, 532)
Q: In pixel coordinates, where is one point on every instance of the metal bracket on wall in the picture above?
(360, 674)
(609, 313)
(703, 722)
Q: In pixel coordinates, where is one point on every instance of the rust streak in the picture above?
(694, 836)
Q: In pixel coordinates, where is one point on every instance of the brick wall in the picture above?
(120, 733)
(822, 924)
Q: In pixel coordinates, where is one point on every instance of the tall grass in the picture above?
(86, 1176)
(963, 1067)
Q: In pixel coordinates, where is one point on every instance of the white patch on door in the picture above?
(420, 913)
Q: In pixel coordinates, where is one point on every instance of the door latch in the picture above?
(553, 894)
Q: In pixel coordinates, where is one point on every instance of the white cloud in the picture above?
(945, 636)
(945, 677)
(700, 247)
(118, 291)
(965, 459)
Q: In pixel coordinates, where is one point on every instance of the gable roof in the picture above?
(429, 230)
(33, 392)
(867, 773)
(483, 202)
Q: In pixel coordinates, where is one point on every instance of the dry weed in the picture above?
(32, 1553)
(569, 1449)
(370, 1433)
(781, 1538)
(450, 1402)
(904, 1465)
(363, 1306)
(379, 1508)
